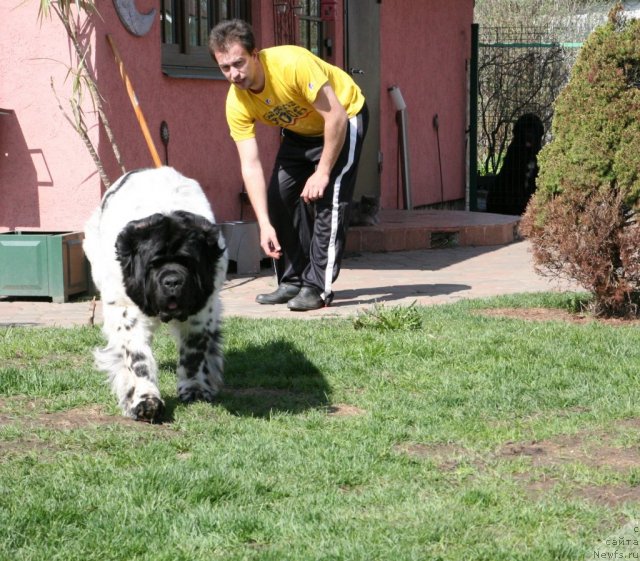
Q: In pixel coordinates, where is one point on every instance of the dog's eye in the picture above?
(184, 260)
(158, 262)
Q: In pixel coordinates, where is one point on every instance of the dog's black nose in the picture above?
(172, 282)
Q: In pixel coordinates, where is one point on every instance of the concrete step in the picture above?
(404, 230)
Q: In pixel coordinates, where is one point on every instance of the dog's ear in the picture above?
(201, 227)
(132, 236)
(212, 234)
(133, 253)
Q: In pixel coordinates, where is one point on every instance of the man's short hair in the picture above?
(229, 32)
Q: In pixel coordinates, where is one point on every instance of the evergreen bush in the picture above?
(582, 220)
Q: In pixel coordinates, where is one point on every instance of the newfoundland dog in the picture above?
(156, 256)
(516, 181)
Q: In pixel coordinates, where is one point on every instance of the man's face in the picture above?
(239, 67)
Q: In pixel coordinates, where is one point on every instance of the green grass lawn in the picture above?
(436, 434)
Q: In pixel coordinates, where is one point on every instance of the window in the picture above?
(310, 27)
(298, 22)
(185, 34)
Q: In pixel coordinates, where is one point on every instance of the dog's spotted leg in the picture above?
(128, 360)
(200, 363)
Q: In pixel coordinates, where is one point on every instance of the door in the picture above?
(362, 56)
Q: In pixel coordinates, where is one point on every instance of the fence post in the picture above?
(472, 167)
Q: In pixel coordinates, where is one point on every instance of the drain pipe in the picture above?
(401, 117)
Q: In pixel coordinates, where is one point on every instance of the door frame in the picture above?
(364, 30)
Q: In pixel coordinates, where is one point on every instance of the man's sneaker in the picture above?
(281, 295)
(307, 299)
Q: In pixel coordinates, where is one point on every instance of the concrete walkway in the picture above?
(430, 276)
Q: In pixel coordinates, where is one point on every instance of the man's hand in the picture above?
(269, 242)
(256, 186)
(335, 127)
(314, 187)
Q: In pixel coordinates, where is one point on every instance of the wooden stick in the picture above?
(136, 106)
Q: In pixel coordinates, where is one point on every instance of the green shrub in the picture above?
(581, 220)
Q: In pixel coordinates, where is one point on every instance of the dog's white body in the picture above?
(128, 359)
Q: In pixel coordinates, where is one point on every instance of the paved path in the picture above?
(431, 276)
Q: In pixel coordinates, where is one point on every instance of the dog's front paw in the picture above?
(149, 409)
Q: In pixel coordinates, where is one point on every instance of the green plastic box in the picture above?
(42, 264)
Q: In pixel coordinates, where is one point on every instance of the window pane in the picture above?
(310, 27)
(168, 17)
(223, 10)
(303, 33)
(204, 22)
(314, 38)
(192, 21)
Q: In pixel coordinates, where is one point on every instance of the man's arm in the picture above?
(254, 182)
(335, 127)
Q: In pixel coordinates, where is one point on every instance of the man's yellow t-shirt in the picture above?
(293, 77)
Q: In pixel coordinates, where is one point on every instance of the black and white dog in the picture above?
(516, 182)
(156, 256)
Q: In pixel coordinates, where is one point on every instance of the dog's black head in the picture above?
(168, 263)
(528, 132)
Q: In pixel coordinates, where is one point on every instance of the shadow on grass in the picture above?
(262, 380)
(272, 378)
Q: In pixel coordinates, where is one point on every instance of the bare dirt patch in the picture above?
(258, 392)
(32, 414)
(564, 450)
(553, 314)
(611, 495)
(596, 450)
(29, 415)
(538, 488)
(344, 410)
(535, 314)
(83, 417)
(273, 396)
(446, 457)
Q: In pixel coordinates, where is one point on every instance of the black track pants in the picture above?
(313, 235)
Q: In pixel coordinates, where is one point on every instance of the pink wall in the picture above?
(48, 180)
(424, 46)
